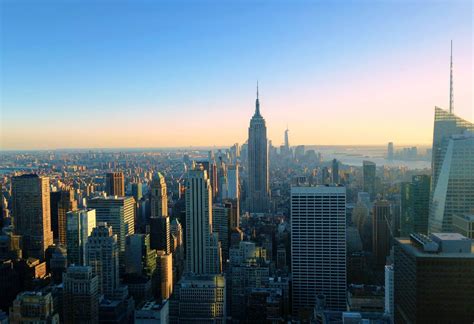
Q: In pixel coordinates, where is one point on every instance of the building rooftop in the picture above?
(450, 249)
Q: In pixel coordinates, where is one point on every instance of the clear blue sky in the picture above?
(178, 73)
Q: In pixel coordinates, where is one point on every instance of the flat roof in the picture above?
(329, 189)
(410, 247)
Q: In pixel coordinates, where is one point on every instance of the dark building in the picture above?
(415, 205)
(368, 169)
(115, 184)
(433, 279)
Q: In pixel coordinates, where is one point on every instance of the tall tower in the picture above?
(115, 184)
(159, 220)
(318, 247)
(200, 255)
(287, 141)
(80, 224)
(31, 213)
(102, 256)
(258, 195)
(451, 94)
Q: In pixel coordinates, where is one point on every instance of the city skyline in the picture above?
(164, 79)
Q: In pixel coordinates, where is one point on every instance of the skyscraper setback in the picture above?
(258, 182)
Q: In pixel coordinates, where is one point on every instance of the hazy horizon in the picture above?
(117, 75)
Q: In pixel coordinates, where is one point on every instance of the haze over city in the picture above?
(103, 74)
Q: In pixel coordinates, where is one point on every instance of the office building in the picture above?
(199, 299)
(390, 151)
(33, 307)
(31, 213)
(115, 184)
(200, 255)
(164, 275)
(102, 255)
(415, 202)
(432, 274)
(258, 176)
(453, 191)
(80, 295)
(79, 225)
(389, 294)
(159, 221)
(118, 212)
(318, 247)
(381, 231)
(464, 225)
(66, 204)
(140, 258)
(368, 169)
(233, 191)
(335, 171)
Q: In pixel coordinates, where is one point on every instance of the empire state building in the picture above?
(258, 193)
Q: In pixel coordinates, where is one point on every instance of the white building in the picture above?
(318, 247)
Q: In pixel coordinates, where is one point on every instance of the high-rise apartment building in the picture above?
(258, 176)
(415, 205)
(199, 299)
(368, 169)
(31, 213)
(432, 276)
(80, 295)
(79, 225)
(118, 212)
(453, 191)
(102, 255)
(318, 247)
(201, 251)
(115, 184)
(381, 233)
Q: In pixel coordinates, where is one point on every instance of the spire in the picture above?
(257, 104)
(451, 95)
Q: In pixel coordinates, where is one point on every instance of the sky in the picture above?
(105, 74)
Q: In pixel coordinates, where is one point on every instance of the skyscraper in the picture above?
(335, 171)
(318, 247)
(66, 204)
(118, 212)
(159, 221)
(80, 295)
(369, 178)
(431, 276)
(233, 182)
(164, 273)
(453, 192)
(79, 226)
(415, 202)
(390, 151)
(140, 258)
(258, 182)
(381, 234)
(200, 256)
(199, 299)
(102, 255)
(31, 213)
(115, 184)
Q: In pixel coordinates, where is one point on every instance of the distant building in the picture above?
(31, 213)
(431, 274)
(335, 171)
(390, 151)
(115, 184)
(80, 295)
(318, 247)
(233, 191)
(199, 299)
(79, 225)
(66, 204)
(368, 169)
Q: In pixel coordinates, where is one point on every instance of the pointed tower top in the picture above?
(451, 94)
(257, 104)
